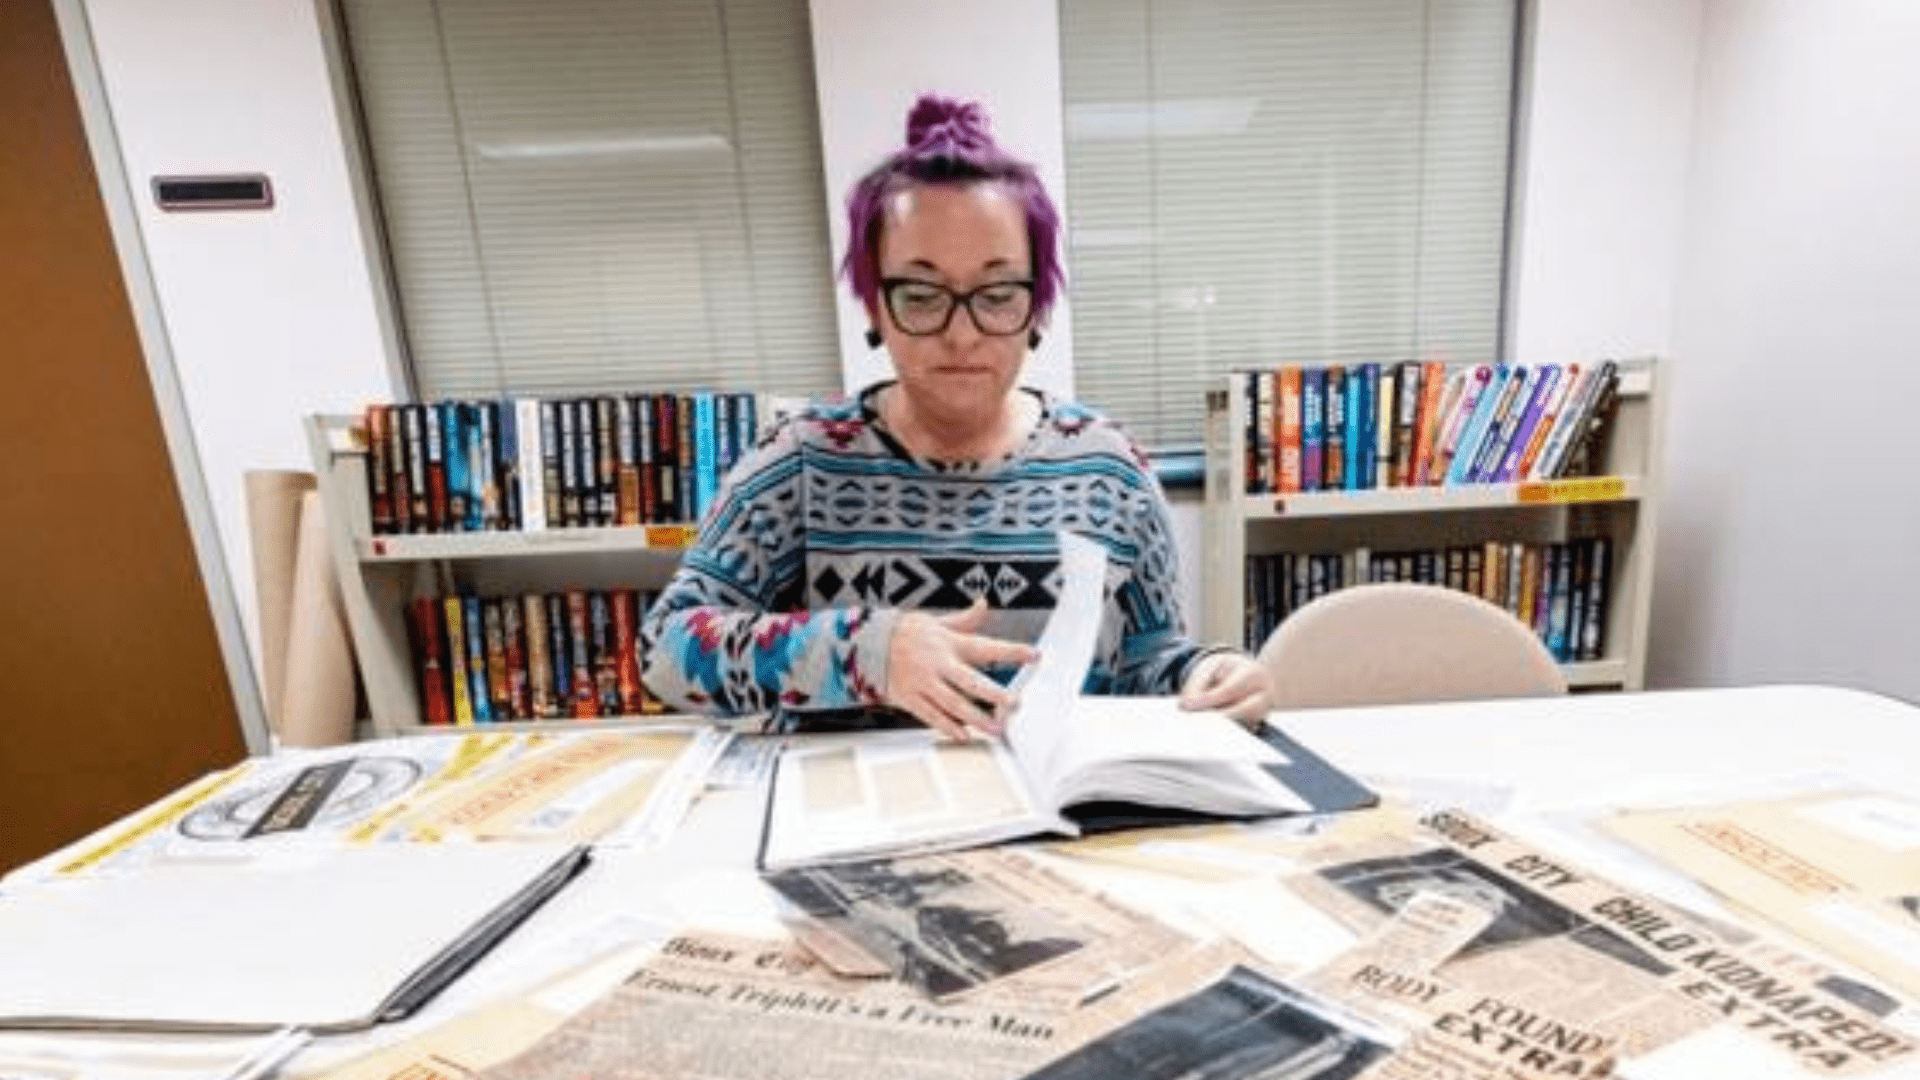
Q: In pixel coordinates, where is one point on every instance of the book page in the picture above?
(1038, 729)
(892, 795)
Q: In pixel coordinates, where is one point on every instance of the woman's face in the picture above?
(959, 237)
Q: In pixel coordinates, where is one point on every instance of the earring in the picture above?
(873, 338)
(1033, 339)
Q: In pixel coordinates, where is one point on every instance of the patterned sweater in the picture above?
(829, 529)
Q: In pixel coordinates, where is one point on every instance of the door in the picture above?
(112, 689)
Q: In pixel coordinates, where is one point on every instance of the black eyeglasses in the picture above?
(922, 308)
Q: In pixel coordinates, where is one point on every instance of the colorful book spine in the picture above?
(1333, 465)
(507, 465)
(540, 704)
(457, 674)
(1406, 420)
(429, 650)
(459, 486)
(499, 691)
(399, 485)
(626, 648)
(1475, 426)
(1286, 426)
(519, 676)
(487, 415)
(1468, 385)
(627, 500)
(417, 468)
(550, 465)
(1549, 417)
(605, 658)
(706, 453)
(1433, 384)
(1593, 631)
(479, 682)
(1563, 428)
(586, 695)
(1313, 428)
(606, 462)
(1386, 406)
(1253, 473)
(1543, 391)
(566, 420)
(643, 455)
(560, 652)
(379, 487)
(532, 433)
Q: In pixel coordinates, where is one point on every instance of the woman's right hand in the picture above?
(933, 672)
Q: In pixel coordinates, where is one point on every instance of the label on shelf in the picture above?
(671, 536)
(1577, 489)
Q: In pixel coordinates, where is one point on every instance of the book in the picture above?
(1499, 428)
(550, 479)
(479, 678)
(379, 501)
(373, 933)
(1433, 384)
(429, 652)
(1460, 403)
(606, 461)
(1381, 472)
(1543, 391)
(507, 464)
(1313, 428)
(1407, 405)
(532, 431)
(454, 427)
(1258, 445)
(1286, 431)
(1068, 763)
(457, 674)
(1473, 430)
(1333, 463)
(706, 453)
(542, 704)
(627, 501)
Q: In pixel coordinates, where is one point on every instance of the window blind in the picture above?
(1254, 183)
(598, 195)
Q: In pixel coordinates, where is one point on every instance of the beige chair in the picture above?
(1387, 644)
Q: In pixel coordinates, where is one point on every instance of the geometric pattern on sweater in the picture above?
(829, 529)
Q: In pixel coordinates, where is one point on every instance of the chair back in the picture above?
(1393, 643)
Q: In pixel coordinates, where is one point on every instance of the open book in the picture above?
(1068, 762)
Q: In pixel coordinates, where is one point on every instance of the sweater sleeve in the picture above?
(1156, 653)
(731, 635)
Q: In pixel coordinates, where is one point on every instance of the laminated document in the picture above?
(343, 940)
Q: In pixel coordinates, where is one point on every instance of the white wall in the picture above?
(1793, 512)
(871, 60)
(1602, 181)
(270, 314)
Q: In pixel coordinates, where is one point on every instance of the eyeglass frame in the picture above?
(957, 300)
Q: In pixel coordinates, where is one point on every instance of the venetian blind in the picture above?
(600, 195)
(1254, 183)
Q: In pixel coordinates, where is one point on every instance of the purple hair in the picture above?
(947, 143)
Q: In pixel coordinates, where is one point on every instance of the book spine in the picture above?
(513, 631)
(1527, 608)
(683, 436)
(379, 486)
(606, 461)
(1252, 476)
(398, 486)
(626, 650)
(650, 704)
(666, 455)
(560, 652)
(723, 405)
(1456, 574)
(540, 700)
(436, 468)
(1363, 384)
(417, 468)
(1500, 424)
(423, 624)
(1268, 407)
(648, 500)
(1593, 638)
(512, 513)
(457, 674)
(487, 414)
(1333, 466)
(1313, 428)
(452, 433)
(1286, 426)
(479, 678)
(706, 454)
(1544, 387)
(1406, 419)
(1463, 397)
(606, 658)
(569, 463)
(532, 431)
(1557, 608)
(1579, 568)
(1386, 406)
(628, 501)
(499, 695)
(585, 452)
(586, 695)
(550, 468)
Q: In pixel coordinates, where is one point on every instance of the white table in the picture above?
(1550, 754)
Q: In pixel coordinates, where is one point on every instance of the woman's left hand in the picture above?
(1232, 683)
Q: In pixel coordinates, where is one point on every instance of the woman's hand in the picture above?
(933, 671)
(1232, 683)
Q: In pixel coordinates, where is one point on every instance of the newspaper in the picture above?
(1617, 964)
(1389, 977)
(1213, 1012)
(720, 1008)
(947, 925)
(1839, 868)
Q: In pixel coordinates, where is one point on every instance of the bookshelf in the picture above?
(380, 573)
(1615, 502)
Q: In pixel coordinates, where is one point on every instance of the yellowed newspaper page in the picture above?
(718, 1008)
(1837, 869)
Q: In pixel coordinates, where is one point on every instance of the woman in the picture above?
(896, 549)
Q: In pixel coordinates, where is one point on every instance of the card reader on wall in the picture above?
(234, 191)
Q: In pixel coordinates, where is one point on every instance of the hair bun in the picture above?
(935, 119)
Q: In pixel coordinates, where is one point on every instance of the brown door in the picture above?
(112, 689)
